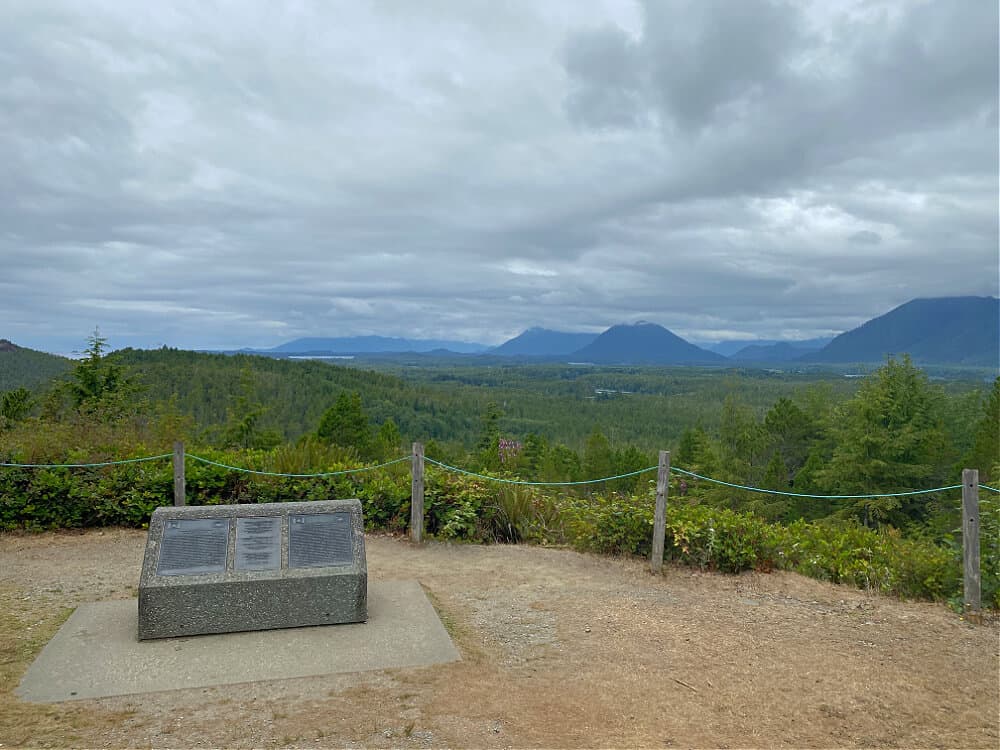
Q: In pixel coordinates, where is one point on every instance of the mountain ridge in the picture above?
(372, 345)
(931, 330)
(780, 351)
(543, 342)
(732, 347)
(645, 343)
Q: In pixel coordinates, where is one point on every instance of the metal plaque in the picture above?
(319, 540)
(258, 543)
(194, 547)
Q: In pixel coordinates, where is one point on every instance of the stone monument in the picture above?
(227, 568)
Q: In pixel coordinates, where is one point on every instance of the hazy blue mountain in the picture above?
(644, 343)
(541, 342)
(782, 351)
(729, 348)
(942, 330)
(372, 344)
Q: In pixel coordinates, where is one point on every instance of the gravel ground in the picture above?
(559, 649)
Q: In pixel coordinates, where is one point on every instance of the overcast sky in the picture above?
(225, 174)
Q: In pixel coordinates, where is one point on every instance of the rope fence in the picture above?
(817, 497)
(502, 480)
(489, 478)
(91, 465)
(283, 474)
(970, 495)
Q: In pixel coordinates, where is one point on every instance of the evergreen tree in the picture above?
(808, 478)
(98, 386)
(768, 506)
(562, 464)
(889, 438)
(626, 460)
(533, 456)
(695, 453)
(741, 439)
(488, 445)
(346, 424)
(597, 457)
(776, 474)
(243, 423)
(388, 441)
(985, 452)
(15, 405)
(790, 432)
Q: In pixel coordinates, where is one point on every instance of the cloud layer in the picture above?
(213, 174)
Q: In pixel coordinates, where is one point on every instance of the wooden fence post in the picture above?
(660, 516)
(179, 489)
(970, 541)
(417, 494)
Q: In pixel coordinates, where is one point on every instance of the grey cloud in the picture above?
(865, 237)
(772, 99)
(216, 174)
(605, 66)
(712, 60)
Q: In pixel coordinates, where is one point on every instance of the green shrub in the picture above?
(609, 523)
(458, 507)
(385, 499)
(467, 508)
(731, 541)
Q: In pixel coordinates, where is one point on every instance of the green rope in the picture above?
(446, 467)
(88, 466)
(281, 474)
(456, 470)
(820, 497)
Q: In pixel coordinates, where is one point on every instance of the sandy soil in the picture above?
(559, 650)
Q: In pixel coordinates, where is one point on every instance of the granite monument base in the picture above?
(230, 568)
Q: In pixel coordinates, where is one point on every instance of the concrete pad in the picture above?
(96, 653)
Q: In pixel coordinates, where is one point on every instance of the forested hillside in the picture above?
(751, 427)
(26, 368)
(646, 407)
(892, 432)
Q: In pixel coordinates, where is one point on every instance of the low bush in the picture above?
(464, 508)
(731, 541)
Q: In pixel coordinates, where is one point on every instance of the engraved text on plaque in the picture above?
(194, 547)
(319, 540)
(258, 543)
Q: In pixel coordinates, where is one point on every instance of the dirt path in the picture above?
(559, 650)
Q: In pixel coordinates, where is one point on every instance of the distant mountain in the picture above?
(646, 344)
(541, 342)
(26, 368)
(780, 352)
(942, 330)
(373, 344)
(729, 348)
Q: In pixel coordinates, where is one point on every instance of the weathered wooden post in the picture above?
(417, 494)
(179, 489)
(970, 541)
(660, 515)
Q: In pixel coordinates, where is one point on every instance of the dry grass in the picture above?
(27, 623)
(559, 650)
